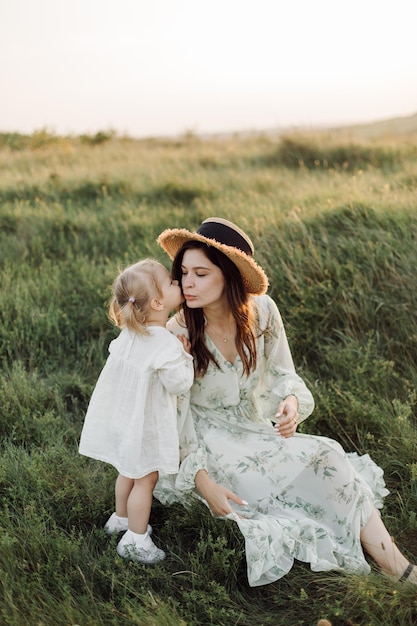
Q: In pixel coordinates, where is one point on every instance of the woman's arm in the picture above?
(288, 393)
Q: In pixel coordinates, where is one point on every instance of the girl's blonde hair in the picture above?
(133, 291)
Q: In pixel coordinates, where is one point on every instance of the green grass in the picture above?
(334, 222)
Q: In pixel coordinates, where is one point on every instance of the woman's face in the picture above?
(202, 282)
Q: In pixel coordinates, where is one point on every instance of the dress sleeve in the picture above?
(180, 487)
(280, 377)
(192, 457)
(176, 371)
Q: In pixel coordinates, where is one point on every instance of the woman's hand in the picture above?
(287, 417)
(216, 496)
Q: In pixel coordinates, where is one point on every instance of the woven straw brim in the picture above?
(254, 278)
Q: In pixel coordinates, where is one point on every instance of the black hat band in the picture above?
(225, 235)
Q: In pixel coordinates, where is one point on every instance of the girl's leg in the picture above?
(122, 490)
(139, 502)
(377, 541)
(136, 543)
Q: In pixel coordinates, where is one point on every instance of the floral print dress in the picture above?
(307, 499)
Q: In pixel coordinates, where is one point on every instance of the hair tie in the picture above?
(132, 299)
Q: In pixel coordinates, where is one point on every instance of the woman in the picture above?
(300, 496)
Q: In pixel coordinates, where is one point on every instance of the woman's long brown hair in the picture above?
(240, 303)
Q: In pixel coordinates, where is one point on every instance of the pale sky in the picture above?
(164, 67)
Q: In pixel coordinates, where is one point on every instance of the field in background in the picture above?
(334, 220)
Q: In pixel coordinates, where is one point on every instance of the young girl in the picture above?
(131, 420)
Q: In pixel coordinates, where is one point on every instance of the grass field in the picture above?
(334, 222)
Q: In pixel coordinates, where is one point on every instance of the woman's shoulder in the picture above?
(267, 309)
(176, 325)
(262, 300)
(264, 304)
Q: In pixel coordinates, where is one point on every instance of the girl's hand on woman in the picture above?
(216, 496)
(186, 343)
(287, 417)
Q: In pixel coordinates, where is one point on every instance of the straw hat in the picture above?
(229, 239)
